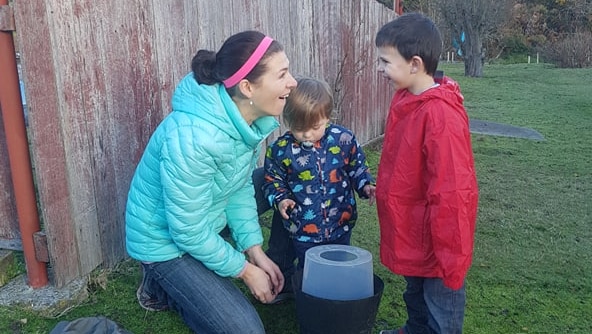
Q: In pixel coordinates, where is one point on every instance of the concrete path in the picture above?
(503, 130)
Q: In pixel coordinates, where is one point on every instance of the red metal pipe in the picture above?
(20, 161)
(398, 6)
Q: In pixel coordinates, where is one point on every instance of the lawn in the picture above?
(532, 268)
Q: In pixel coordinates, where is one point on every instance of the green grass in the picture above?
(532, 270)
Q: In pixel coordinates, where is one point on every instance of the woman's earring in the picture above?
(250, 102)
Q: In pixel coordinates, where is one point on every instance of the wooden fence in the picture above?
(9, 229)
(99, 76)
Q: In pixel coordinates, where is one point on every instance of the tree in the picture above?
(471, 22)
(560, 29)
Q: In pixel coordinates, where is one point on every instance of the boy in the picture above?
(426, 186)
(313, 171)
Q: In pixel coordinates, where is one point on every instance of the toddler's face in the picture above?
(312, 135)
(394, 67)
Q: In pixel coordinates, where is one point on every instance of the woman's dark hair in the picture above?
(210, 67)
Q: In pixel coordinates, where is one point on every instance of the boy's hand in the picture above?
(285, 206)
(370, 191)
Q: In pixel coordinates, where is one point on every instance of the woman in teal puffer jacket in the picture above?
(194, 179)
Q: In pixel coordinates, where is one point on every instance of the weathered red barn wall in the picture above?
(9, 229)
(99, 76)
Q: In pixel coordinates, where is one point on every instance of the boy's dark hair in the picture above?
(308, 103)
(413, 34)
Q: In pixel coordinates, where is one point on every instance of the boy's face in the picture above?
(313, 134)
(394, 67)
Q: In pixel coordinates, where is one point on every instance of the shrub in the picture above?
(515, 45)
(572, 51)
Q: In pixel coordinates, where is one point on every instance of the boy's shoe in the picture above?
(393, 331)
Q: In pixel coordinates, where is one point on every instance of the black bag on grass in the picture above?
(90, 325)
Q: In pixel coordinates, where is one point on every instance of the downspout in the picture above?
(398, 7)
(18, 149)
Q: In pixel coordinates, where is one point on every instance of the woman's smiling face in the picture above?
(272, 88)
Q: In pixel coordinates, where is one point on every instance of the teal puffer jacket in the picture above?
(194, 178)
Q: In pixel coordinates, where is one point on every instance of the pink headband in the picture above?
(249, 64)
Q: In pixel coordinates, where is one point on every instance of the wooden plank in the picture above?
(6, 18)
(9, 228)
(41, 251)
(74, 36)
(132, 96)
(173, 54)
(49, 158)
(12, 244)
(7, 263)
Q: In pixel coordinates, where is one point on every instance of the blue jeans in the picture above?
(279, 247)
(208, 303)
(432, 307)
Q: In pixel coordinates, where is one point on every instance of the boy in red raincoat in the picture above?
(426, 186)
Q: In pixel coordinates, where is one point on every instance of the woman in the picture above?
(194, 179)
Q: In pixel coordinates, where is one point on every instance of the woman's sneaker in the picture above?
(148, 301)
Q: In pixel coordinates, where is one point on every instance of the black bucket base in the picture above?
(324, 316)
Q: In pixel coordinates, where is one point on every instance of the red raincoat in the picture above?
(426, 188)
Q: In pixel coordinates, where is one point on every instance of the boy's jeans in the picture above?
(207, 302)
(432, 307)
(280, 249)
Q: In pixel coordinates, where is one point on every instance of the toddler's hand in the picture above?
(370, 191)
(284, 206)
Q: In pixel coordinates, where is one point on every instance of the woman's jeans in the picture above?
(208, 303)
(432, 307)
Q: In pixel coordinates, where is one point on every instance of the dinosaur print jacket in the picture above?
(322, 180)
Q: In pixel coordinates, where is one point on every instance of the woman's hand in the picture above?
(262, 276)
(258, 282)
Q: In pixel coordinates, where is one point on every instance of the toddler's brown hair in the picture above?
(308, 103)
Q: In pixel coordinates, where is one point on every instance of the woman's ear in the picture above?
(245, 88)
